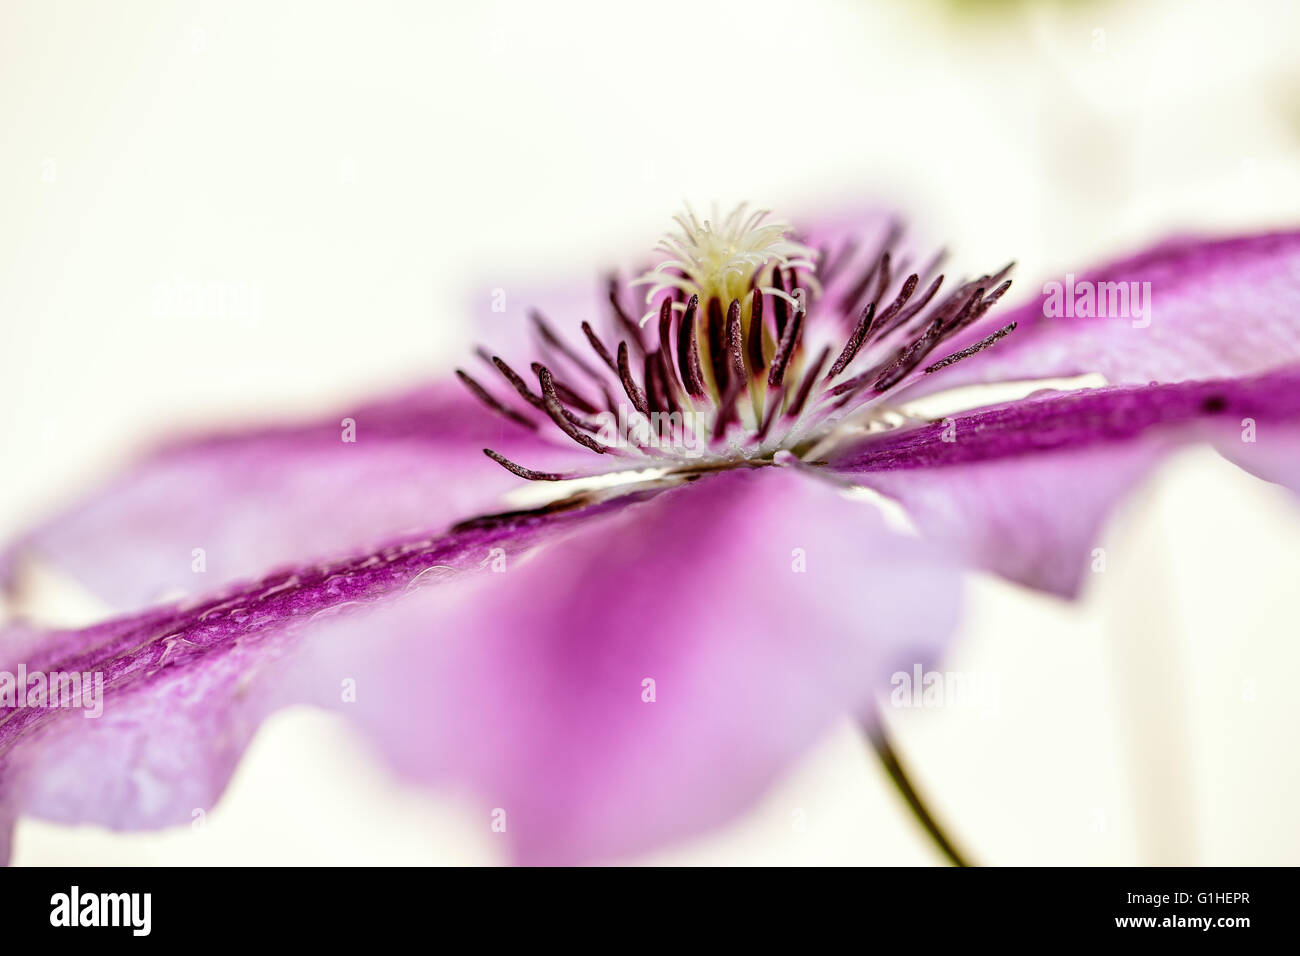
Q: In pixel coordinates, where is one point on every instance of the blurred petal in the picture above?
(506, 324)
(251, 500)
(1213, 309)
(185, 686)
(1023, 489)
(532, 684)
(1270, 450)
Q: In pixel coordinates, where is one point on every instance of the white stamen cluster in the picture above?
(724, 259)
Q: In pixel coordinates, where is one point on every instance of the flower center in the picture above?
(738, 366)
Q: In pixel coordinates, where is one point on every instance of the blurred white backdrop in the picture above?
(360, 170)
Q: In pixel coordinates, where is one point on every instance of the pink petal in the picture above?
(254, 499)
(1218, 308)
(1023, 489)
(185, 686)
(530, 683)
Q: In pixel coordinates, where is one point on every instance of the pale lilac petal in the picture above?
(530, 684)
(185, 686)
(1023, 489)
(1268, 450)
(1034, 520)
(251, 500)
(1217, 308)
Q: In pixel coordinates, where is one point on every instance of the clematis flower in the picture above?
(700, 587)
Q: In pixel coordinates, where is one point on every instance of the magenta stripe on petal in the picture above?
(1072, 420)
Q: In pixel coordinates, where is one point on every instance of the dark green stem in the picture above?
(898, 774)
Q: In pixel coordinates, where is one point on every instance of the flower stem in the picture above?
(898, 774)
